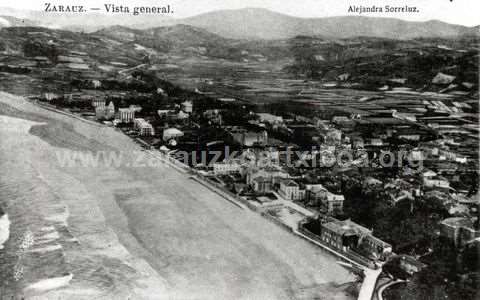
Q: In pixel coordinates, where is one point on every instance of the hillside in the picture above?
(252, 23)
(365, 62)
(264, 24)
(179, 39)
(121, 33)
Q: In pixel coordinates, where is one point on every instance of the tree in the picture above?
(33, 48)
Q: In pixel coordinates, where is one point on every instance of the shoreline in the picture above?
(184, 169)
(125, 214)
(89, 236)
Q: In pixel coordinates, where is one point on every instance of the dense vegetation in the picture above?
(412, 226)
(448, 275)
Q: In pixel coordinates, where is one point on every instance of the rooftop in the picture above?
(412, 260)
(128, 109)
(458, 222)
(346, 227)
(261, 179)
(289, 182)
(142, 123)
(172, 131)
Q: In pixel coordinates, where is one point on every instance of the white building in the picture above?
(182, 115)
(187, 106)
(227, 166)
(98, 102)
(250, 138)
(271, 173)
(436, 183)
(340, 119)
(227, 99)
(375, 142)
(96, 83)
(107, 113)
(144, 128)
(126, 115)
(269, 118)
(333, 202)
(162, 113)
(290, 190)
(50, 96)
(318, 195)
(171, 133)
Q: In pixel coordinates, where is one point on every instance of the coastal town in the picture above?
(280, 169)
(380, 173)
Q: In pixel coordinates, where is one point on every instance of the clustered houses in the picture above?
(248, 138)
(366, 133)
(273, 178)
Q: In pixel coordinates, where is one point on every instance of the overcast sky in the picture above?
(465, 12)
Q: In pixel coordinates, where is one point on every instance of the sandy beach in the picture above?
(135, 232)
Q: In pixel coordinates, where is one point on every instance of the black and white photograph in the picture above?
(239, 150)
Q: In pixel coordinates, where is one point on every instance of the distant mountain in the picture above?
(372, 62)
(177, 39)
(264, 24)
(248, 23)
(185, 33)
(121, 33)
(179, 35)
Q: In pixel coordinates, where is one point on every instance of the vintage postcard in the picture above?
(239, 149)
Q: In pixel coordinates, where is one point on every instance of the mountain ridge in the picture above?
(266, 24)
(259, 23)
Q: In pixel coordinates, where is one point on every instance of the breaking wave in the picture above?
(4, 229)
(50, 283)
